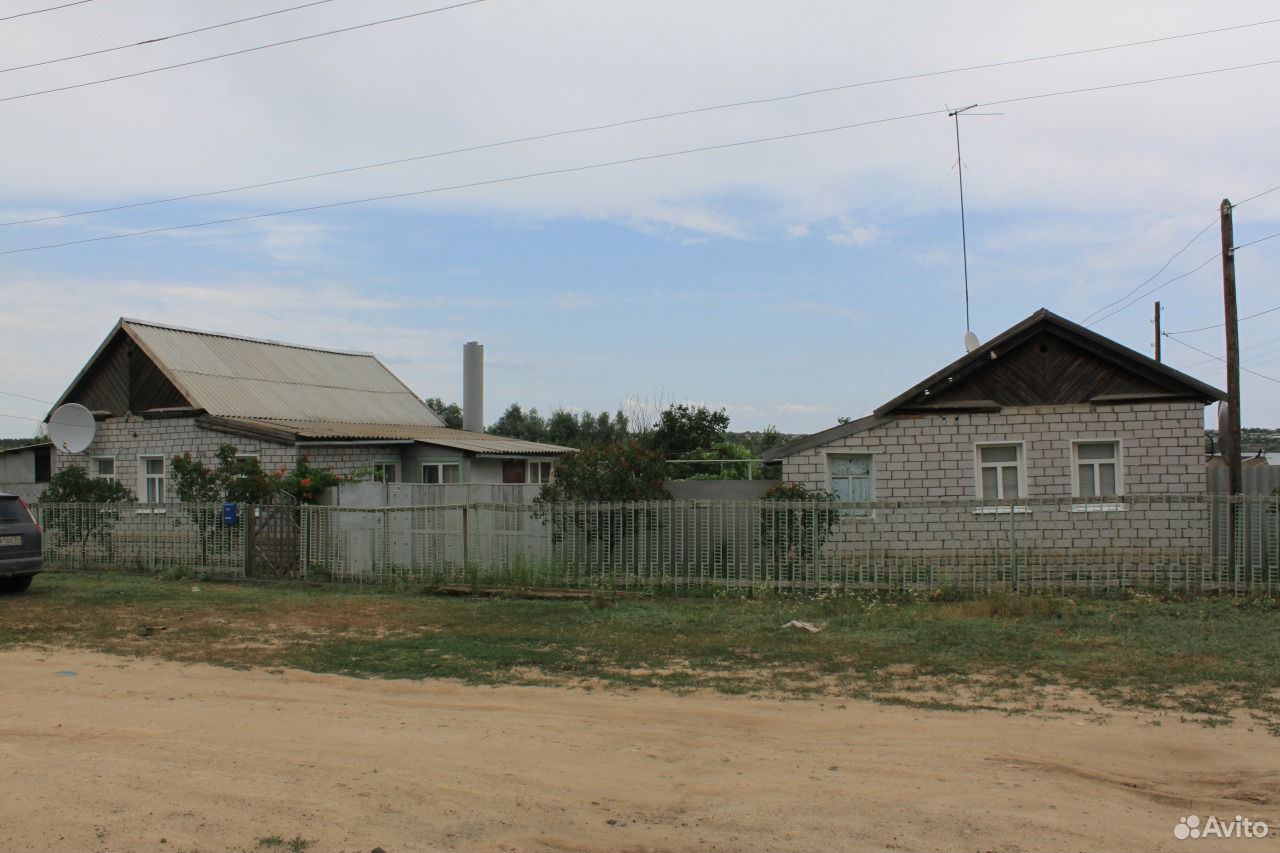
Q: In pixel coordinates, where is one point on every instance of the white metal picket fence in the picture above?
(142, 537)
(1167, 542)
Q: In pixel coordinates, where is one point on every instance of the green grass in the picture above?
(1200, 658)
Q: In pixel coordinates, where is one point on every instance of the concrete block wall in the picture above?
(933, 456)
(930, 463)
(128, 438)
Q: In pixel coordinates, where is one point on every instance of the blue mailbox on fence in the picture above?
(230, 517)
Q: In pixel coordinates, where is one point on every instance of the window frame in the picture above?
(93, 463)
(536, 465)
(440, 465)
(376, 464)
(870, 478)
(1117, 460)
(145, 477)
(1020, 464)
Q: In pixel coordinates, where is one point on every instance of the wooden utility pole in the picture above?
(1232, 446)
(1231, 441)
(1157, 331)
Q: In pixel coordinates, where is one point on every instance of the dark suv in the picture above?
(21, 544)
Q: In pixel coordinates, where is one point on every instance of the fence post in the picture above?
(466, 540)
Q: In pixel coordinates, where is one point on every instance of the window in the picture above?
(103, 467)
(850, 477)
(436, 473)
(152, 479)
(999, 471)
(1097, 468)
(539, 472)
(513, 471)
(386, 472)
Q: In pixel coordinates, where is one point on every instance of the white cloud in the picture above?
(851, 233)
(569, 301)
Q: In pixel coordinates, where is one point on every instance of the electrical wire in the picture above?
(240, 52)
(1255, 242)
(473, 184)
(1154, 275)
(170, 37)
(613, 163)
(632, 121)
(25, 397)
(41, 11)
(1220, 358)
(1159, 287)
(1220, 325)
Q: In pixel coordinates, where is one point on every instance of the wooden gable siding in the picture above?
(148, 387)
(1045, 370)
(106, 387)
(125, 380)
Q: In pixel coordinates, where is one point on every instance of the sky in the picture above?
(805, 265)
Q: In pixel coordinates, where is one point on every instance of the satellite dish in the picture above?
(970, 341)
(72, 427)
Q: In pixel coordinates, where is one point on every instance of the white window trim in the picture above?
(1022, 474)
(440, 463)
(93, 462)
(158, 507)
(535, 464)
(1075, 468)
(871, 475)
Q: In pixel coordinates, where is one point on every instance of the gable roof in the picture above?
(237, 377)
(1087, 368)
(1043, 354)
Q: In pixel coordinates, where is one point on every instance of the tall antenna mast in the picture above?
(970, 339)
(964, 237)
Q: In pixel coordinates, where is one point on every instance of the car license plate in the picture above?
(10, 540)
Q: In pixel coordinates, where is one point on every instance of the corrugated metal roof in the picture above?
(237, 377)
(472, 442)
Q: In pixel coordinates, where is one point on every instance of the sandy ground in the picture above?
(105, 753)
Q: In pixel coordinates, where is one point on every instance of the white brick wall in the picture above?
(127, 438)
(933, 456)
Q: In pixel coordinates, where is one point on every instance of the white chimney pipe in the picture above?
(473, 387)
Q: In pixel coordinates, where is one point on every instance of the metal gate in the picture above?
(271, 538)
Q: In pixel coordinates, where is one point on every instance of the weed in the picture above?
(298, 844)
(1202, 658)
(271, 842)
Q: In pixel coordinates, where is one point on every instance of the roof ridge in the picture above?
(207, 333)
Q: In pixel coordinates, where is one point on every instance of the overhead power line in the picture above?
(1159, 287)
(597, 127)
(157, 39)
(1211, 223)
(608, 164)
(623, 123)
(1156, 274)
(240, 52)
(1169, 335)
(1220, 325)
(25, 397)
(41, 11)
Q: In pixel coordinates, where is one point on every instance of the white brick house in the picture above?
(157, 392)
(1045, 409)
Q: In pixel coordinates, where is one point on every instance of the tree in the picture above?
(610, 473)
(97, 513)
(516, 423)
(235, 478)
(683, 428)
(450, 413)
(798, 528)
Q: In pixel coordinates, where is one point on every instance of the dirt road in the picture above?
(105, 753)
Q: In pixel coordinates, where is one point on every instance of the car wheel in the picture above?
(18, 584)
